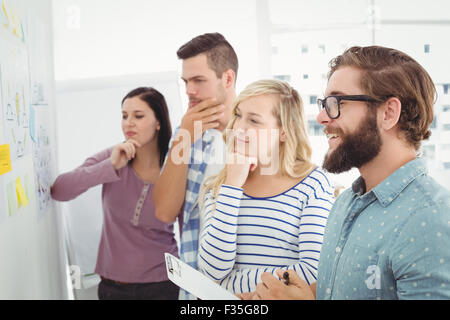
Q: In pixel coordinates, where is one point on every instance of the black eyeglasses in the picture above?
(332, 104)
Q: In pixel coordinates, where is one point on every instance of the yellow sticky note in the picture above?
(19, 203)
(4, 15)
(21, 195)
(5, 159)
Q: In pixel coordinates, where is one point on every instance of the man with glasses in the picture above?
(387, 236)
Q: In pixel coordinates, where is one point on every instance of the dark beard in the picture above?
(356, 149)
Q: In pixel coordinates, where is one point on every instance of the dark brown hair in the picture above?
(391, 73)
(156, 101)
(220, 54)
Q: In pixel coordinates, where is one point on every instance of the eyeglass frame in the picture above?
(321, 103)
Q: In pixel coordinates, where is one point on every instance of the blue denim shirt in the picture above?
(390, 243)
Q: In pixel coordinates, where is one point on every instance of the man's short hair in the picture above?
(391, 73)
(220, 54)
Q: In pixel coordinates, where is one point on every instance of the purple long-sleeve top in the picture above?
(133, 240)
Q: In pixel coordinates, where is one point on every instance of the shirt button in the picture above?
(338, 250)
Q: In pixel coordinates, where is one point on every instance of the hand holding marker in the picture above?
(286, 278)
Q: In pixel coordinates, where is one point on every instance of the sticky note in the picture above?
(5, 159)
(12, 198)
(22, 198)
(4, 19)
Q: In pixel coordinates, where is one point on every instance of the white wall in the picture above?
(142, 36)
(32, 251)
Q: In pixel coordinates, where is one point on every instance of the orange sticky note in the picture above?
(21, 195)
(5, 159)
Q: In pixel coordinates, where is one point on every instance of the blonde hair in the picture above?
(294, 153)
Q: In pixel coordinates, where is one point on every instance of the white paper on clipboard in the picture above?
(194, 281)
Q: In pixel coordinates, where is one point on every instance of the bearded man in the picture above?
(387, 236)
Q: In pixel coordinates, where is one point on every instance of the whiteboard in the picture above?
(33, 259)
(89, 119)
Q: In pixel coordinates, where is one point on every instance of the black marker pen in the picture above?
(286, 278)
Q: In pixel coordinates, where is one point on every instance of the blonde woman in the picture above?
(267, 209)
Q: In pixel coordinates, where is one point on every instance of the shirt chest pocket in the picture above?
(361, 274)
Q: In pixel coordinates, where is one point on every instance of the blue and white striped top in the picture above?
(246, 236)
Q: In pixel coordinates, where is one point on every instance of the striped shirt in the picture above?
(206, 158)
(244, 236)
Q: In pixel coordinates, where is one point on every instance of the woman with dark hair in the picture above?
(133, 242)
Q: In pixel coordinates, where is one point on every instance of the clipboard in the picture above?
(194, 281)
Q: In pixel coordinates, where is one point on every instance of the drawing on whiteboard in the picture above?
(16, 106)
(9, 115)
(37, 95)
(42, 156)
(38, 34)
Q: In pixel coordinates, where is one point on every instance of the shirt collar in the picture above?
(212, 134)
(207, 136)
(388, 190)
